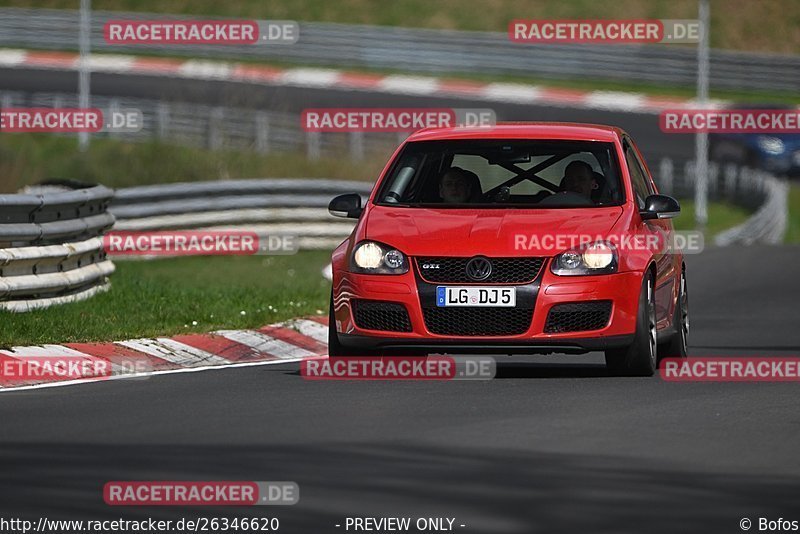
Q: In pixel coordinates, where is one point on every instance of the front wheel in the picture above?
(640, 358)
(676, 347)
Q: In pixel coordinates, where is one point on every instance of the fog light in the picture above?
(394, 259)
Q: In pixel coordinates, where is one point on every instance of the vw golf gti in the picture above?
(516, 239)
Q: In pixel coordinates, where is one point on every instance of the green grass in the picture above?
(767, 25)
(793, 230)
(200, 294)
(30, 158)
(166, 297)
(721, 216)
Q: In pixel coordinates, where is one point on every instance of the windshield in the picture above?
(504, 173)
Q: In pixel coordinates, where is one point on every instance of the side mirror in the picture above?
(660, 207)
(347, 206)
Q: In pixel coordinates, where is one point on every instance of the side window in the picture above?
(638, 178)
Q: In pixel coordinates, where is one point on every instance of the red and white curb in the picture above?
(337, 79)
(291, 341)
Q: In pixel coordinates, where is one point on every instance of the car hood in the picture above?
(493, 232)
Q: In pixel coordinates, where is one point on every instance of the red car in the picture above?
(522, 238)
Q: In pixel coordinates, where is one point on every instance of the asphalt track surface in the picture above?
(552, 444)
(642, 126)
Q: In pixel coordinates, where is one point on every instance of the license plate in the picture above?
(476, 296)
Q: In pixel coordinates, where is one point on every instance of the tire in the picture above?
(335, 348)
(640, 358)
(676, 347)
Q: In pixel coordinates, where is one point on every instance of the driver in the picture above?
(579, 178)
(455, 186)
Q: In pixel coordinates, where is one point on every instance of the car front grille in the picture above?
(377, 315)
(578, 316)
(477, 321)
(504, 270)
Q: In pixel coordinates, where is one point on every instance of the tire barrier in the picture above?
(51, 249)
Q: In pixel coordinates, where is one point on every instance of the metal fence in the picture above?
(51, 251)
(433, 51)
(216, 127)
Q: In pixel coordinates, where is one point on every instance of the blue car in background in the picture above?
(777, 153)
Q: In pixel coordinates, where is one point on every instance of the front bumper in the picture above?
(547, 291)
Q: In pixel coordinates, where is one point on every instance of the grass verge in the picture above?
(793, 229)
(720, 217)
(181, 295)
(200, 294)
(29, 158)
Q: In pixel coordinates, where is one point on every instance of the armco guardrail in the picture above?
(420, 50)
(297, 206)
(51, 249)
(768, 224)
(289, 206)
(750, 188)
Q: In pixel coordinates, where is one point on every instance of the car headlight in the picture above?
(370, 257)
(592, 258)
(771, 145)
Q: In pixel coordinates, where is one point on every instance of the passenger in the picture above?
(455, 186)
(579, 178)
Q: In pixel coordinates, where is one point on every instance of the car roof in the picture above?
(524, 130)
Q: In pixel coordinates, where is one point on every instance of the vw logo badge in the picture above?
(479, 268)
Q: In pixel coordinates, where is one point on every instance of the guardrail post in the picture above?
(163, 120)
(665, 175)
(731, 171)
(113, 108)
(713, 177)
(689, 173)
(262, 132)
(746, 179)
(215, 128)
(313, 145)
(357, 146)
